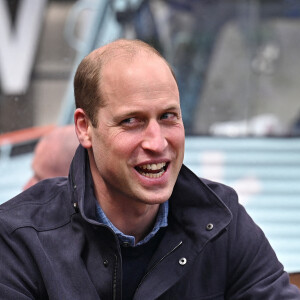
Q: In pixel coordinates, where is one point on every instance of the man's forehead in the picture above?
(121, 50)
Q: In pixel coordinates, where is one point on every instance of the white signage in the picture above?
(18, 44)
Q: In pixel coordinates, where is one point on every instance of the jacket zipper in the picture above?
(115, 279)
(159, 261)
(115, 274)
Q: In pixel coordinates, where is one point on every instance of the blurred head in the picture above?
(53, 154)
(128, 117)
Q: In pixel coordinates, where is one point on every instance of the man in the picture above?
(131, 222)
(53, 154)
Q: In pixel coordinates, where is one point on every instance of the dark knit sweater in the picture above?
(134, 262)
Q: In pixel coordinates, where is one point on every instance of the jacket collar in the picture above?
(81, 185)
(193, 203)
(196, 216)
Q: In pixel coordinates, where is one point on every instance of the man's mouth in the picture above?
(152, 170)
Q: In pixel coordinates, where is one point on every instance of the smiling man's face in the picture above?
(138, 145)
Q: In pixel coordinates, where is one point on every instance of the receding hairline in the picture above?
(127, 49)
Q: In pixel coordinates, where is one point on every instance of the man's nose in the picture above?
(154, 139)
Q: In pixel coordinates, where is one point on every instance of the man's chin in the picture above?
(155, 197)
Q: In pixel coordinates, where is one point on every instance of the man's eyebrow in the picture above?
(128, 114)
(171, 107)
(131, 113)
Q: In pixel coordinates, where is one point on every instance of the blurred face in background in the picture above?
(53, 154)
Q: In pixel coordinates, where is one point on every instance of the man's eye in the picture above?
(131, 122)
(168, 116)
(128, 121)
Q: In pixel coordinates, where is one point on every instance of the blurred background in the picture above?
(238, 69)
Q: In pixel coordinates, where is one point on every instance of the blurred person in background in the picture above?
(53, 154)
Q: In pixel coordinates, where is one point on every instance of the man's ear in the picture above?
(82, 127)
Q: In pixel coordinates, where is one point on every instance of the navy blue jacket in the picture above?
(52, 247)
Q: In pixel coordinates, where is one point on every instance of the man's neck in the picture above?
(135, 219)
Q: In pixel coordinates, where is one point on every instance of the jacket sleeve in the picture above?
(16, 268)
(254, 271)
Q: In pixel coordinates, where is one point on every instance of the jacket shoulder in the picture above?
(44, 206)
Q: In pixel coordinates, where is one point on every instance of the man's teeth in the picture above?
(153, 166)
(153, 175)
(152, 170)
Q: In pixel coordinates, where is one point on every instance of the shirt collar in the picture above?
(128, 240)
